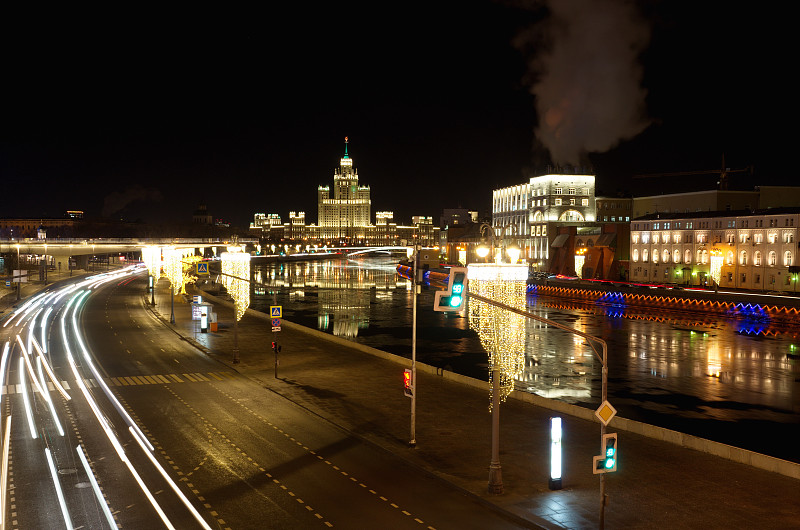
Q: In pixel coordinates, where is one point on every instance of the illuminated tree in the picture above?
(151, 256)
(236, 278)
(501, 332)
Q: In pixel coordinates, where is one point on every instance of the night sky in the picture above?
(143, 115)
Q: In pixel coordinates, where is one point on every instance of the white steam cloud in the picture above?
(586, 76)
(116, 201)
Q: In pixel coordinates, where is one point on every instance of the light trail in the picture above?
(96, 488)
(172, 484)
(44, 327)
(104, 423)
(57, 485)
(49, 371)
(6, 349)
(29, 366)
(47, 398)
(25, 398)
(99, 378)
(4, 473)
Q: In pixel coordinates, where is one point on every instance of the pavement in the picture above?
(657, 484)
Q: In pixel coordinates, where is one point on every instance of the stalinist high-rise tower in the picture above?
(346, 215)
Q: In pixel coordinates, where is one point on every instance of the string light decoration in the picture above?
(151, 256)
(236, 278)
(716, 260)
(501, 332)
(173, 267)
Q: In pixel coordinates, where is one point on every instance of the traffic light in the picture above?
(456, 294)
(276, 347)
(407, 390)
(607, 462)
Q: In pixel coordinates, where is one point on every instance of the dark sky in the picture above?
(146, 114)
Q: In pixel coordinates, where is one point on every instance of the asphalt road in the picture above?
(241, 455)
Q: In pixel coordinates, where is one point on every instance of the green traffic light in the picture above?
(609, 463)
(455, 301)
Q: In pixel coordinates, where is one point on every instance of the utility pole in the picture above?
(415, 286)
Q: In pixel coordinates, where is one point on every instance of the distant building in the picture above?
(753, 249)
(532, 214)
(346, 214)
(344, 219)
(201, 216)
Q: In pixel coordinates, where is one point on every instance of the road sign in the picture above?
(276, 311)
(202, 268)
(605, 412)
(8, 283)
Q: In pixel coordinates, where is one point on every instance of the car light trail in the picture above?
(4, 471)
(96, 488)
(100, 380)
(60, 493)
(44, 327)
(104, 422)
(25, 398)
(29, 365)
(32, 326)
(172, 484)
(49, 371)
(47, 398)
(6, 349)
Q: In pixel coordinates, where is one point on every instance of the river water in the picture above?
(717, 378)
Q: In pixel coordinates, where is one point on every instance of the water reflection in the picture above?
(715, 376)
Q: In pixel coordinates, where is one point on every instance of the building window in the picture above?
(772, 258)
(584, 202)
(572, 202)
(635, 238)
(558, 202)
(743, 257)
(665, 256)
(788, 237)
(676, 256)
(655, 256)
(787, 258)
(645, 256)
(757, 258)
(635, 255)
(687, 256)
(744, 278)
(559, 191)
(655, 239)
(729, 258)
(666, 238)
(572, 191)
(772, 237)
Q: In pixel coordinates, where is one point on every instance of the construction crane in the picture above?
(723, 174)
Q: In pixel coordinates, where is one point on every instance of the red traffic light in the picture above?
(407, 389)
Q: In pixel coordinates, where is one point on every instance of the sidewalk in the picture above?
(657, 485)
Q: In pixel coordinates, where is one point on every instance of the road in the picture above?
(233, 454)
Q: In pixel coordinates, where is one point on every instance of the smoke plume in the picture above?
(116, 201)
(585, 74)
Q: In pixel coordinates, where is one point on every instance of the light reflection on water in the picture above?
(675, 369)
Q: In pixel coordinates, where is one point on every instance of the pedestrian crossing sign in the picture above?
(276, 311)
(202, 269)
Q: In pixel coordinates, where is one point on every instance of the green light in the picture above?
(458, 288)
(455, 300)
(609, 463)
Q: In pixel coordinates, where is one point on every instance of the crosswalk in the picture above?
(136, 380)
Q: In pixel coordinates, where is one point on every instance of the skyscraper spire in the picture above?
(345, 147)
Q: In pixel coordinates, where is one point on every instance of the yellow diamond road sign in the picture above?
(605, 412)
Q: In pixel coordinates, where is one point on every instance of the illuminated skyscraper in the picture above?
(346, 215)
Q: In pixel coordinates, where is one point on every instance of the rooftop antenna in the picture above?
(345, 147)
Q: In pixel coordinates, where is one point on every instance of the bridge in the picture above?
(80, 251)
(367, 250)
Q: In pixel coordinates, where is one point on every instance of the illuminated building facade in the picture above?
(346, 214)
(758, 249)
(531, 213)
(344, 219)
